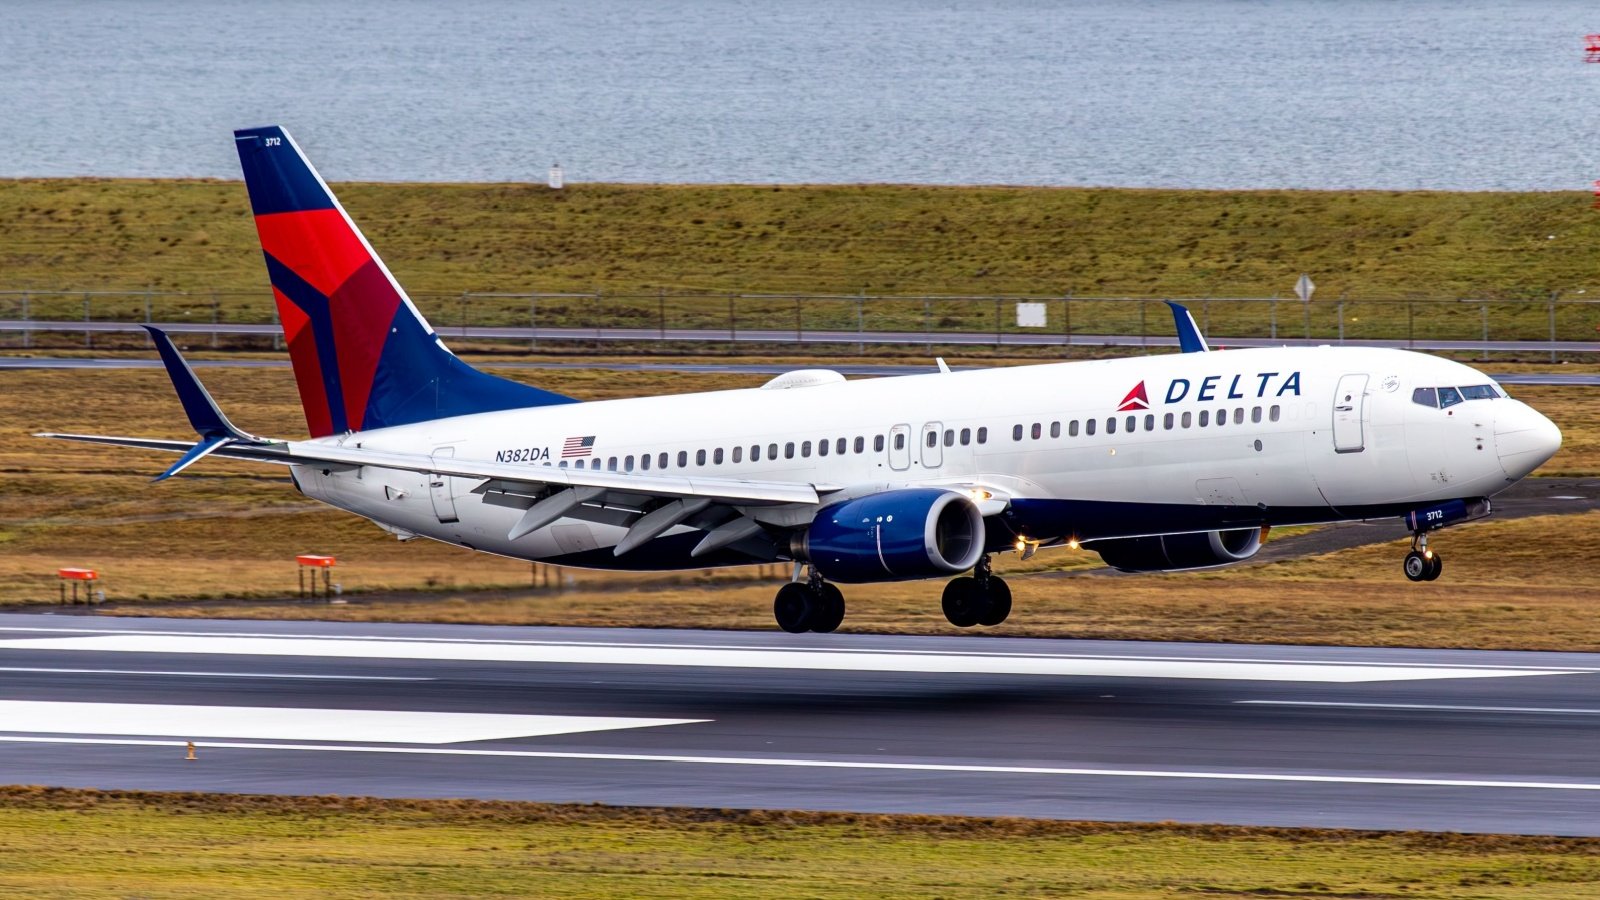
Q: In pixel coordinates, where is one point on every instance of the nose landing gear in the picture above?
(981, 598)
(1421, 563)
(812, 605)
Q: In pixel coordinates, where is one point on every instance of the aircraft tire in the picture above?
(996, 603)
(1435, 566)
(962, 601)
(794, 608)
(829, 612)
(1417, 566)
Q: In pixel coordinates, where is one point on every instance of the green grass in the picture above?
(102, 844)
(1509, 251)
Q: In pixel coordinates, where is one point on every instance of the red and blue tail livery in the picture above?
(363, 356)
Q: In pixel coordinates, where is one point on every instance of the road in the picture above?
(1288, 736)
(851, 369)
(1041, 338)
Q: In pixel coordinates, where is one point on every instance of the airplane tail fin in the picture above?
(363, 356)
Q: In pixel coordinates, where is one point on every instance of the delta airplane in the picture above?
(1156, 463)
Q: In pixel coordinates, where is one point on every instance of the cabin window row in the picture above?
(771, 452)
(1169, 421)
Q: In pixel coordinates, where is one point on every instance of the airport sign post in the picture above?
(1303, 289)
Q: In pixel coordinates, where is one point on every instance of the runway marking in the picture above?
(780, 762)
(1423, 706)
(296, 724)
(534, 642)
(217, 674)
(763, 658)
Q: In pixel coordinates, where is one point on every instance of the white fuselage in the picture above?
(1243, 437)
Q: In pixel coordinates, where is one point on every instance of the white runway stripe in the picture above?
(294, 724)
(215, 674)
(1425, 707)
(762, 658)
(779, 762)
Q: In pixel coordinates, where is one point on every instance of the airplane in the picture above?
(1158, 463)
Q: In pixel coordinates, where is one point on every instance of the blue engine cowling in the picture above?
(894, 536)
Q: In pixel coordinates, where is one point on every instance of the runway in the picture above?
(849, 369)
(1263, 735)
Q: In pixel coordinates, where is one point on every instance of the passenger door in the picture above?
(932, 452)
(1349, 409)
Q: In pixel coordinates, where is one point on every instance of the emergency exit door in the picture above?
(1349, 411)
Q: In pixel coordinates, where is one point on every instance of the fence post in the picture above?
(997, 321)
(462, 311)
(1066, 322)
(88, 337)
(733, 325)
(1483, 311)
(216, 312)
(1411, 328)
(1274, 316)
(1553, 296)
(27, 335)
(1144, 329)
(799, 330)
(533, 323)
(147, 306)
(861, 323)
(661, 311)
(597, 301)
(1341, 318)
(927, 325)
(1307, 305)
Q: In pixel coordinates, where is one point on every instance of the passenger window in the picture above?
(612, 464)
(805, 448)
(1111, 425)
(1072, 428)
(562, 464)
(1150, 423)
(839, 446)
(699, 457)
(627, 463)
(966, 436)
(1188, 418)
(1016, 432)
(1088, 426)
(1255, 415)
(738, 454)
(772, 451)
(861, 444)
(683, 459)
(1448, 397)
(716, 456)
(788, 450)
(933, 439)
(1205, 417)
(1131, 424)
(983, 435)
(900, 440)
(644, 461)
(1479, 392)
(1426, 397)
(822, 447)
(578, 464)
(877, 443)
(1036, 431)
(1222, 417)
(755, 453)
(1166, 421)
(949, 437)
(1055, 429)
(1238, 416)
(1273, 413)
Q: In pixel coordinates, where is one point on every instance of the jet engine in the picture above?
(1167, 552)
(893, 536)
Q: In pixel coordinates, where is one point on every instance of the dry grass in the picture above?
(90, 843)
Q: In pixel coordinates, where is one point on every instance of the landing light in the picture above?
(979, 494)
(1073, 544)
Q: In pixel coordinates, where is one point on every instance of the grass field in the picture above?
(94, 844)
(1509, 250)
(232, 529)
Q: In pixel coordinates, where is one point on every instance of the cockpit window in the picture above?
(1480, 392)
(1448, 397)
(1426, 397)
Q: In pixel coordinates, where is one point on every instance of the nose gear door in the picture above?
(1349, 410)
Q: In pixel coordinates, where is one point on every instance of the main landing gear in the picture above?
(1421, 563)
(812, 605)
(981, 598)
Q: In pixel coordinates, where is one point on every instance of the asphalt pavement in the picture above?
(1264, 735)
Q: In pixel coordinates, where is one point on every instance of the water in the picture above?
(1146, 93)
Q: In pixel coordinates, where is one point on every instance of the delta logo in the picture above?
(1211, 387)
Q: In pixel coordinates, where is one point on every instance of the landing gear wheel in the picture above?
(1418, 567)
(794, 607)
(1436, 565)
(996, 602)
(829, 610)
(962, 601)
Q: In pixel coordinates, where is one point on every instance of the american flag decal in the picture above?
(577, 446)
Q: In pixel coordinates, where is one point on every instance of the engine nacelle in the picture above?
(1168, 552)
(893, 536)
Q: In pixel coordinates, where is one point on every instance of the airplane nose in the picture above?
(1523, 438)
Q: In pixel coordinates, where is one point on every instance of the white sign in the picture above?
(1303, 288)
(556, 180)
(1030, 315)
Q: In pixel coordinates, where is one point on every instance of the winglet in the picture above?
(1190, 340)
(213, 427)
